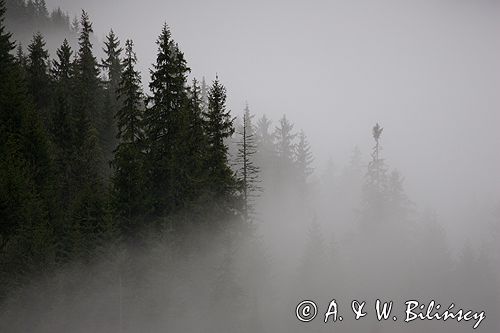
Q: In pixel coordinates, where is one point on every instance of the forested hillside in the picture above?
(138, 202)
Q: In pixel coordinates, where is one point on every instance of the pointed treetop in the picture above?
(377, 131)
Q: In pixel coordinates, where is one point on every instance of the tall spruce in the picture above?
(285, 148)
(219, 126)
(266, 152)
(248, 171)
(128, 178)
(90, 208)
(38, 75)
(195, 143)
(374, 200)
(87, 76)
(165, 124)
(112, 68)
(25, 174)
(303, 160)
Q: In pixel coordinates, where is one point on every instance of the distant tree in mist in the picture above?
(303, 160)
(285, 148)
(204, 95)
(248, 171)
(374, 205)
(265, 155)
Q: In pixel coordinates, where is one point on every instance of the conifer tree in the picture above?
(375, 186)
(21, 60)
(87, 76)
(285, 148)
(25, 174)
(195, 144)
(204, 95)
(219, 126)
(266, 152)
(90, 206)
(248, 172)
(112, 67)
(38, 75)
(128, 177)
(165, 124)
(303, 160)
(61, 120)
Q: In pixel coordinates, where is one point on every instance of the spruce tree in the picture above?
(248, 171)
(87, 86)
(165, 124)
(38, 75)
(303, 160)
(90, 206)
(219, 126)
(128, 178)
(195, 144)
(374, 200)
(285, 148)
(112, 67)
(204, 95)
(22, 61)
(25, 175)
(266, 152)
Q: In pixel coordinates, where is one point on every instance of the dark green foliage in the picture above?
(60, 125)
(6, 46)
(219, 126)
(87, 76)
(38, 75)
(112, 67)
(165, 122)
(25, 174)
(128, 177)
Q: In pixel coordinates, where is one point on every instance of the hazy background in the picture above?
(427, 70)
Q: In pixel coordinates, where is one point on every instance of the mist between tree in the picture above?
(167, 212)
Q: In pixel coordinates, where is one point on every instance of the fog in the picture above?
(427, 71)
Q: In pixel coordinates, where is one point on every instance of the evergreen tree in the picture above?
(399, 203)
(41, 9)
(375, 206)
(248, 172)
(22, 61)
(285, 148)
(165, 124)
(87, 76)
(195, 144)
(38, 75)
(204, 95)
(266, 151)
(25, 175)
(75, 25)
(89, 209)
(86, 88)
(128, 177)
(303, 160)
(219, 126)
(113, 68)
